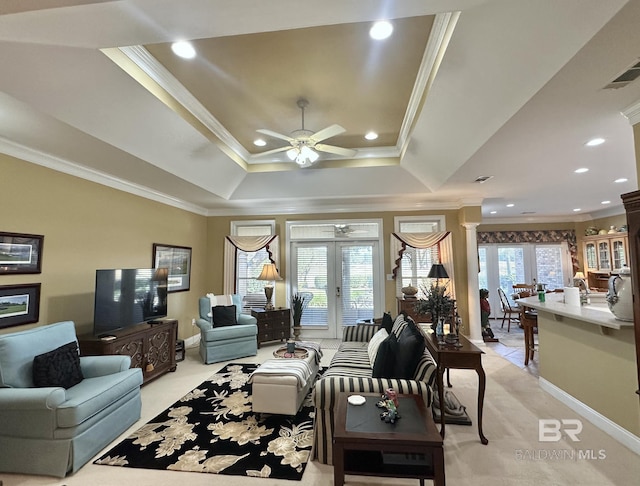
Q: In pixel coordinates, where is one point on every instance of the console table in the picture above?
(152, 347)
(465, 357)
(364, 445)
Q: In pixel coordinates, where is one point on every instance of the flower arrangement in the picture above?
(297, 307)
(436, 301)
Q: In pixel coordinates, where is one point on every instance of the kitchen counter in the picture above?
(586, 358)
(596, 312)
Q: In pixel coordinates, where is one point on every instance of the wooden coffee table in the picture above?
(364, 445)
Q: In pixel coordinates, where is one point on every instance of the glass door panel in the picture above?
(604, 257)
(618, 253)
(356, 292)
(549, 266)
(312, 276)
(590, 256)
(511, 267)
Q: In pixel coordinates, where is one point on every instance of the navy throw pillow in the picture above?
(387, 322)
(60, 367)
(410, 348)
(385, 361)
(224, 315)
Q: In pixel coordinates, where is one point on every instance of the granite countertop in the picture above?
(596, 312)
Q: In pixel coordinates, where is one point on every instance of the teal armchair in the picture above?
(229, 342)
(51, 430)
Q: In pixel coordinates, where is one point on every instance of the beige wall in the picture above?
(87, 226)
(599, 370)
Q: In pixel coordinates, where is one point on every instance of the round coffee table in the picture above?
(299, 353)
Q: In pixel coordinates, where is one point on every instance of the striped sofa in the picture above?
(350, 371)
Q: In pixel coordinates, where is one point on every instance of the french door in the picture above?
(340, 277)
(505, 265)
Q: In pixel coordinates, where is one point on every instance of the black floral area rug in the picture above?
(212, 429)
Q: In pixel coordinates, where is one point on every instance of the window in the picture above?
(416, 262)
(249, 263)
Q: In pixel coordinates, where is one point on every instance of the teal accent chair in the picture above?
(229, 342)
(55, 431)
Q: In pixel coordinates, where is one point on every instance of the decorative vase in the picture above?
(440, 328)
(409, 292)
(619, 296)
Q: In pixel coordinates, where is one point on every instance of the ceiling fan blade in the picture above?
(328, 132)
(273, 151)
(335, 150)
(275, 134)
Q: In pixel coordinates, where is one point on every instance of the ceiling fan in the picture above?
(343, 230)
(305, 145)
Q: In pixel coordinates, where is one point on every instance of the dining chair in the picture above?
(509, 311)
(529, 322)
(525, 290)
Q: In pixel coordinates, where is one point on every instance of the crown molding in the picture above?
(58, 164)
(632, 113)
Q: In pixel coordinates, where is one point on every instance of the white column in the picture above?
(475, 325)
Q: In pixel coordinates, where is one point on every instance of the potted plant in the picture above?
(436, 302)
(297, 307)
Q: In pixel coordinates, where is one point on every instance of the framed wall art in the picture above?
(20, 253)
(19, 304)
(178, 260)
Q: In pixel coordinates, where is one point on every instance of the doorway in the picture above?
(342, 277)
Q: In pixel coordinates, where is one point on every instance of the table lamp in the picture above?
(269, 273)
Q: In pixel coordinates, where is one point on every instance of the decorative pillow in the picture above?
(372, 348)
(410, 348)
(387, 322)
(224, 315)
(60, 367)
(385, 359)
(399, 324)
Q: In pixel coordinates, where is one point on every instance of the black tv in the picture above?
(130, 296)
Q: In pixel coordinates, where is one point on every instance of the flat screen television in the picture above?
(130, 296)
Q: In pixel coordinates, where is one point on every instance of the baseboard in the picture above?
(620, 434)
(192, 341)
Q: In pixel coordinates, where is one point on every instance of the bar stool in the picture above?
(529, 321)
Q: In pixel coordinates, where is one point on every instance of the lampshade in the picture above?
(438, 271)
(269, 272)
(579, 275)
(160, 274)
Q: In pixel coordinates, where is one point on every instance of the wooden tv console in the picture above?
(152, 347)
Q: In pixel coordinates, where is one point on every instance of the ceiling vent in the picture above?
(626, 77)
(482, 179)
(528, 212)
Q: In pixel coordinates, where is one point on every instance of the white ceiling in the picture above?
(515, 95)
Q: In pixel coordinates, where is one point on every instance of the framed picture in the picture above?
(20, 253)
(178, 260)
(19, 304)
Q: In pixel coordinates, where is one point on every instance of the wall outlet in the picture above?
(193, 321)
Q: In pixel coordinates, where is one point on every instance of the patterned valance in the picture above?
(245, 243)
(538, 236)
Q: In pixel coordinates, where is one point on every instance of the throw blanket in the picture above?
(285, 367)
(311, 346)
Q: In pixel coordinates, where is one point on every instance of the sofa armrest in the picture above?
(204, 325)
(45, 398)
(326, 389)
(360, 332)
(93, 366)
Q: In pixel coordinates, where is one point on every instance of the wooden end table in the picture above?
(364, 445)
(465, 356)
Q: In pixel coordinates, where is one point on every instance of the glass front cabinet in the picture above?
(604, 255)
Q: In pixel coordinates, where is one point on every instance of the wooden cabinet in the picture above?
(273, 325)
(631, 202)
(604, 255)
(151, 347)
(408, 306)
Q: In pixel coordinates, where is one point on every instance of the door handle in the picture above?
(337, 291)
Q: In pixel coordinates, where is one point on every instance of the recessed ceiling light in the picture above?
(622, 179)
(183, 49)
(581, 170)
(494, 212)
(605, 202)
(371, 136)
(259, 142)
(510, 205)
(381, 30)
(595, 141)
(576, 210)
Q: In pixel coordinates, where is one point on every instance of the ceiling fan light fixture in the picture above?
(292, 153)
(183, 49)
